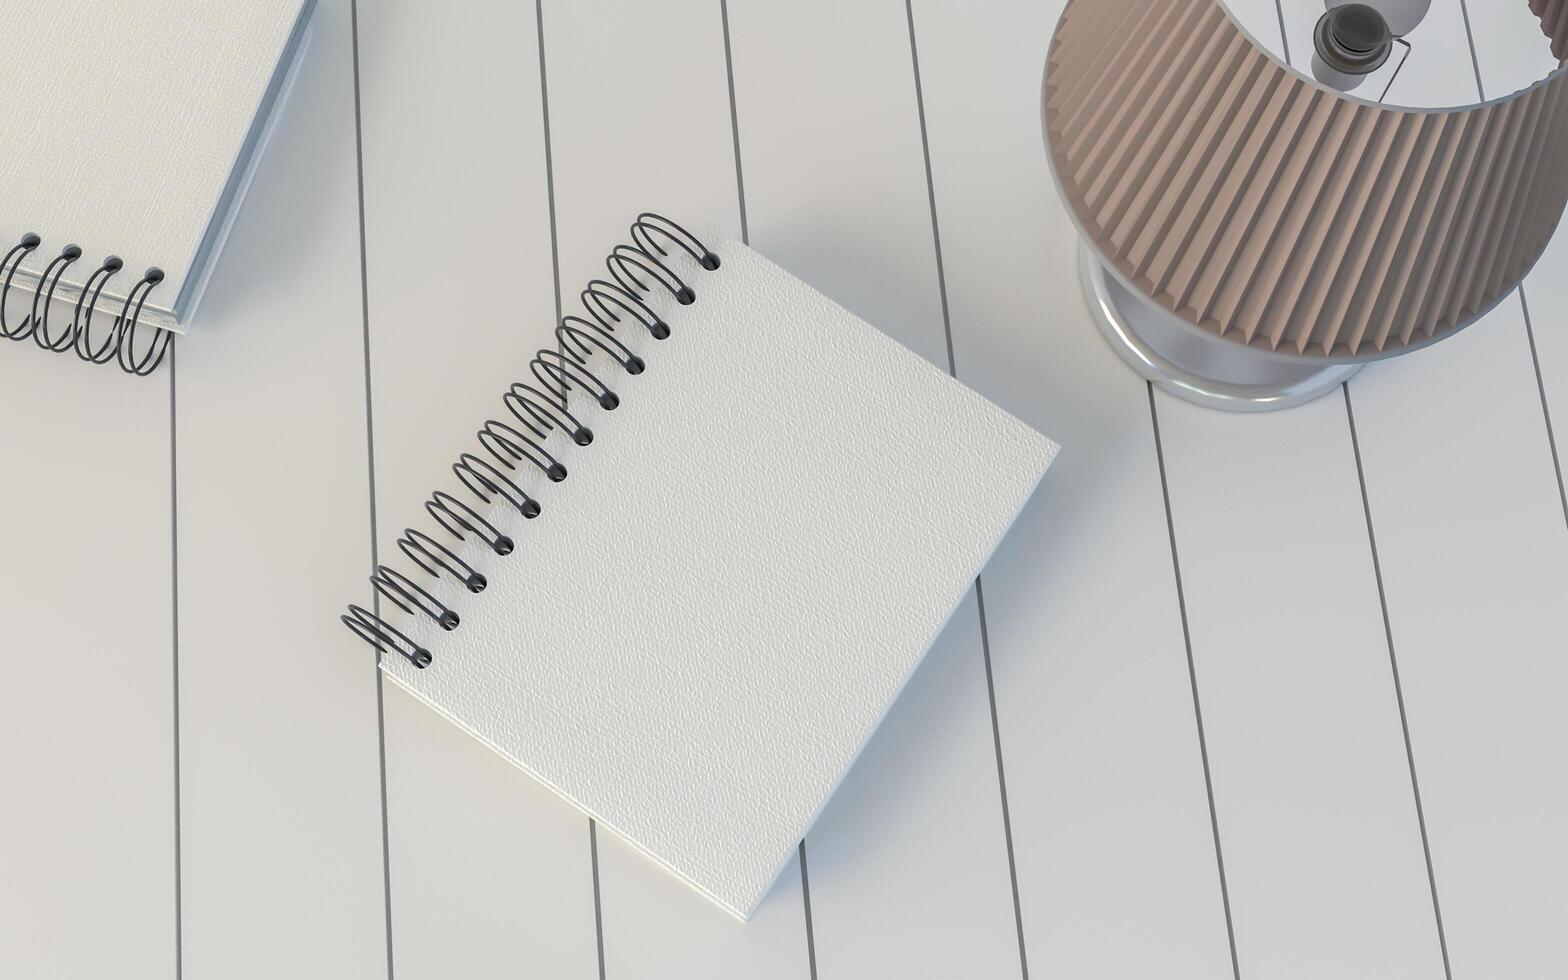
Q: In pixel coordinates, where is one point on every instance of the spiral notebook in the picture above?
(131, 133)
(684, 601)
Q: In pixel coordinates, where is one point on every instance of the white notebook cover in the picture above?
(696, 637)
(126, 125)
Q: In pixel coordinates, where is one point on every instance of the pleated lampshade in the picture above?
(1251, 235)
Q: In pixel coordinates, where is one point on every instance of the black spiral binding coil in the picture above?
(118, 342)
(537, 409)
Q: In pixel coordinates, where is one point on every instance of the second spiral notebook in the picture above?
(685, 600)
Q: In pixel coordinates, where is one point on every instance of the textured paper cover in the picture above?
(122, 122)
(695, 638)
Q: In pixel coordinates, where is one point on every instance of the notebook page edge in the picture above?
(200, 264)
(563, 796)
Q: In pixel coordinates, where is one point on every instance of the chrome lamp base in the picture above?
(1191, 365)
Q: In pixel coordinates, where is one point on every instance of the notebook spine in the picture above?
(536, 409)
(114, 341)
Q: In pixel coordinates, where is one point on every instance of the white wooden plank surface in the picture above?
(1475, 606)
(280, 780)
(1499, 716)
(488, 870)
(278, 850)
(1295, 676)
(1116, 863)
(87, 835)
(1475, 610)
(1484, 731)
(1298, 696)
(655, 926)
(908, 864)
(1511, 53)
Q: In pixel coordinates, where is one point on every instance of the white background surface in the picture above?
(1215, 660)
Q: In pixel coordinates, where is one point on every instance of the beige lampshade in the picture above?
(1269, 210)
(1554, 24)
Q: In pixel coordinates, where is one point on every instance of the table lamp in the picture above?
(1252, 236)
